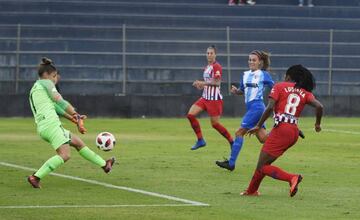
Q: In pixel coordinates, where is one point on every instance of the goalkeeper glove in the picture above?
(79, 121)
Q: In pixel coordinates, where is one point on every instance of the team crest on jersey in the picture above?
(208, 71)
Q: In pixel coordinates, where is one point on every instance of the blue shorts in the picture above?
(253, 114)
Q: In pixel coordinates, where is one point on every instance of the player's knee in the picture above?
(65, 156)
(77, 142)
(240, 133)
(215, 124)
(190, 116)
(64, 152)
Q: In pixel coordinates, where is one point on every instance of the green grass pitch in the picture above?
(154, 155)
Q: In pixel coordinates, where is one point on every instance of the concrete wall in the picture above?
(164, 106)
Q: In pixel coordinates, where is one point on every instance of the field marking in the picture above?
(341, 131)
(334, 131)
(90, 206)
(173, 198)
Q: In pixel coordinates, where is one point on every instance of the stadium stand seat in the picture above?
(166, 40)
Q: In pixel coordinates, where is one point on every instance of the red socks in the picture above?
(195, 125)
(268, 170)
(223, 132)
(255, 181)
(277, 173)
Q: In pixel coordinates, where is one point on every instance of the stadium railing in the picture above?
(137, 60)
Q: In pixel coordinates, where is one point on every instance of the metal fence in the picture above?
(131, 57)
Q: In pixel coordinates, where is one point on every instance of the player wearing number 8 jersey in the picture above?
(287, 100)
(211, 100)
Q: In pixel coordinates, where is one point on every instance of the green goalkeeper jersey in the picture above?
(45, 102)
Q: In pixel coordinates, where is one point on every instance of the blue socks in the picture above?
(235, 150)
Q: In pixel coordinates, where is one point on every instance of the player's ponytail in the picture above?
(213, 47)
(302, 77)
(46, 65)
(264, 57)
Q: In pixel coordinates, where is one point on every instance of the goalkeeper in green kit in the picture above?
(46, 104)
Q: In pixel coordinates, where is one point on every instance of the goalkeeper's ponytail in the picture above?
(46, 65)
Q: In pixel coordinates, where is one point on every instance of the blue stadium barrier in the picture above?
(90, 50)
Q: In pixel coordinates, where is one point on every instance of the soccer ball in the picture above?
(105, 141)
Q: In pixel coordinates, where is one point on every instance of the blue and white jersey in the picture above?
(253, 84)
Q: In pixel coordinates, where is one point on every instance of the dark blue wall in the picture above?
(164, 106)
(160, 60)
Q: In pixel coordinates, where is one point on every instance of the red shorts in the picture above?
(213, 107)
(281, 138)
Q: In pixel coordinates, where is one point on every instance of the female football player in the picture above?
(46, 103)
(287, 100)
(252, 86)
(211, 100)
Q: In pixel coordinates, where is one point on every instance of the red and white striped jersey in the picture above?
(212, 71)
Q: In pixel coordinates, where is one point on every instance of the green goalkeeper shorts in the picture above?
(56, 136)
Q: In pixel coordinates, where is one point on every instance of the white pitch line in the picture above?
(173, 198)
(335, 131)
(342, 131)
(90, 206)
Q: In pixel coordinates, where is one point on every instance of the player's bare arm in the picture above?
(236, 91)
(71, 117)
(213, 82)
(318, 113)
(69, 110)
(76, 118)
(200, 84)
(196, 84)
